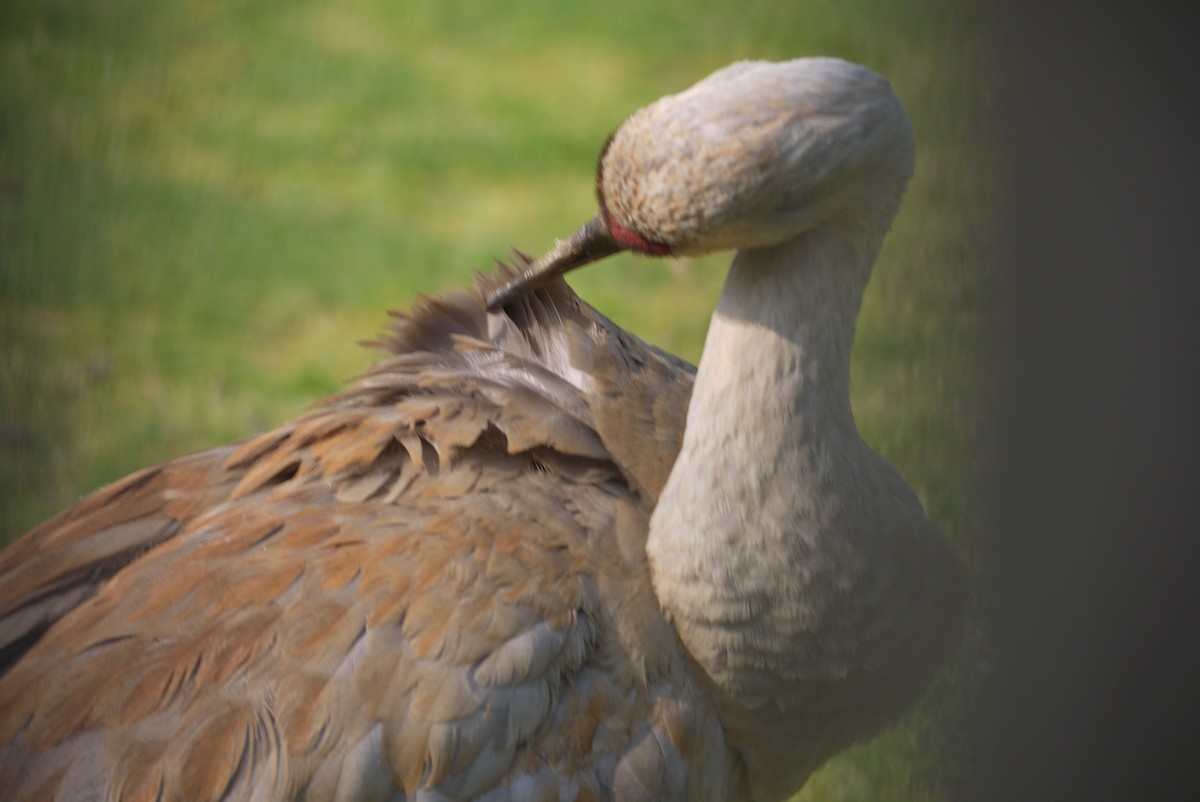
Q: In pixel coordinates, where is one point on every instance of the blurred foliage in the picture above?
(203, 206)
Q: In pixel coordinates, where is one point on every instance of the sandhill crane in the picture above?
(502, 566)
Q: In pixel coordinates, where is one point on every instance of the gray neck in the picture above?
(781, 338)
(765, 543)
(768, 453)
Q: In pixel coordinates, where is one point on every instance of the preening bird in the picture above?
(528, 556)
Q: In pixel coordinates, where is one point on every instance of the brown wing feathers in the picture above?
(404, 586)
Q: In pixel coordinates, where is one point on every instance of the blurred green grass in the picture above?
(204, 206)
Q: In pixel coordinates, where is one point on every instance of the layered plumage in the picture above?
(436, 580)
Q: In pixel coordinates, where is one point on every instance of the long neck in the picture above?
(778, 544)
(768, 440)
(780, 341)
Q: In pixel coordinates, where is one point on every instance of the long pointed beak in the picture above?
(589, 244)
